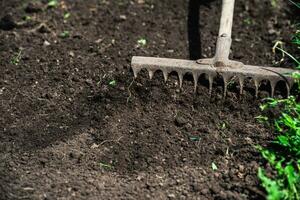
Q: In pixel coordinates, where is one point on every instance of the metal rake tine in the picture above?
(241, 82)
(135, 72)
(256, 73)
(219, 63)
(225, 80)
(151, 74)
(195, 76)
(273, 84)
(165, 73)
(288, 88)
(211, 80)
(256, 83)
(180, 77)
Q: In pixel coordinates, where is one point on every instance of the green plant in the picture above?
(65, 34)
(141, 42)
(105, 166)
(274, 3)
(67, 15)
(214, 166)
(16, 59)
(27, 18)
(248, 21)
(112, 83)
(285, 158)
(284, 155)
(52, 3)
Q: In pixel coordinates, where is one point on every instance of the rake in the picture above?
(219, 65)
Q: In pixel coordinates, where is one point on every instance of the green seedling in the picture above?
(262, 119)
(248, 21)
(27, 18)
(112, 83)
(231, 84)
(195, 138)
(142, 42)
(17, 58)
(105, 166)
(214, 166)
(67, 15)
(280, 43)
(65, 34)
(274, 3)
(52, 3)
(222, 126)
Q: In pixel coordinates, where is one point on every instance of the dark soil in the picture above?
(74, 124)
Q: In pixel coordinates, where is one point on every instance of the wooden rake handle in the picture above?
(225, 30)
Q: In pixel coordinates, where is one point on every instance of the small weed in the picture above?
(52, 3)
(248, 21)
(223, 126)
(214, 166)
(279, 43)
(27, 18)
(65, 34)
(285, 158)
(142, 42)
(296, 39)
(67, 15)
(262, 119)
(195, 138)
(274, 3)
(106, 166)
(112, 83)
(231, 84)
(17, 58)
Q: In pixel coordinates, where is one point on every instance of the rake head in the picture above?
(207, 66)
(219, 64)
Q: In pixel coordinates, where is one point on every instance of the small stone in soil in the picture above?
(180, 120)
(46, 43)
(43, 28)
(171, 196)
(204, 191)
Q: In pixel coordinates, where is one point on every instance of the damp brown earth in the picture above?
(75, 125)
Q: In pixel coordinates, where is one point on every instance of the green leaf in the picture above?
(291, 174)
(142, 42)
(105, 166)
(283, 140)
(288, 120)
(268, 155)
(272, 187)
(112, 83)
(195, 138)
(214, 166)
(67, 15)
(65, 34)
(261, 119)
(263, 107)
(52, 3)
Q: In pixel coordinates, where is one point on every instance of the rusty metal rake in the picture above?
(218, 65)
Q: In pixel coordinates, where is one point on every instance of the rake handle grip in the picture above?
(226, 18)
(225, 30)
